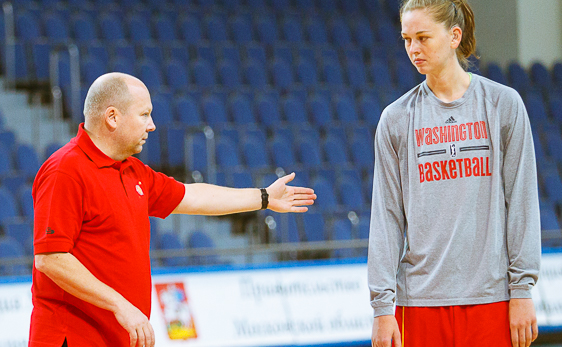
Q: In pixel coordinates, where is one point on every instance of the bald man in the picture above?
(91, 275)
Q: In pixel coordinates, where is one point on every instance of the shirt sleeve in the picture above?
(165, 193)
(522, 202)
(386, 236)
(58, 213)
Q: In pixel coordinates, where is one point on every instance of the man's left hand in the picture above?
(284, 198)
(522, 322)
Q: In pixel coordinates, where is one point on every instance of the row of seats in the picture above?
(328, 6)
(239, 28)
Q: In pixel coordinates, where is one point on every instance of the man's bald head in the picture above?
(111, 89)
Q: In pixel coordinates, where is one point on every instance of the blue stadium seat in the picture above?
(153, 52)
(241, 29)
(123, 65)
(292, 30)
(345, 109)
(203, 73)
(555, 107)
(316, 31)
(553, 186)
(40, 50)
(242, 179)
(177, 76)
(256, 52)
(231, 53)
(540, 76)
(214, 111)
(307, 5)
(255, 154)
(282, 74)
(518, 78)
(295, 112)
(125, 50)
(306, 72)
(10, 248)
(332, 72)
(381, 74)
(350, 6)
(362, 151)
(548, 219)
(27, 160)
(282, 51)
(351, 194)
(207, 52)
(8, 208)
(405, 76)
(84, 28)
(320, 110)
(26, 201)
(197, 152)
(554, 144)
(188, 112)
(328, 6)
(313, 223)
(175, 145)
(27, 27)
(170, 240)
(22, 70)
(111, 27)
(199, 239)
(282, 152)
(335, 151)
(267, 29)
(268, 111)
(363, 33)
(14, 181)
(287, 229)
(56, 28)
(341, 35)
(241, 110)
(323, 188)
(165, 29)
(139, 29)
(97, 49)
(536, 107)
(232, 4)
(557, 73)
(227, 154)
(162, 113)
(341, 230)
(6, 165)
(216, 29)
(387, 34)
(179, 52)
(151, 76)
(356, 74)
(495, 73)
(92, 68)
(309, 153)
(370, 109)
(152, 151)
(229, 74)
(280, 5)
(255, 74)
(190, 28)
(20, 229)
(8, 139)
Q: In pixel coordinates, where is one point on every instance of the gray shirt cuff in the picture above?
(383, 311)
(521, 292)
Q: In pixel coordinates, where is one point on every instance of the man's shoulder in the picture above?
(69, 159)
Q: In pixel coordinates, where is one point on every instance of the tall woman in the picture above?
(455, 231)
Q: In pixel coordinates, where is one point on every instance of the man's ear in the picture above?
(111, 117)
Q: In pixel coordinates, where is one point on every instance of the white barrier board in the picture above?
(301, 305)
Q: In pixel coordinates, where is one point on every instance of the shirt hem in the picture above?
(452, 302)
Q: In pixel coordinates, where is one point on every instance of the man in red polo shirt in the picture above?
(91, 276)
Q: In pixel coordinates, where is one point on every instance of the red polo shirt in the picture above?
(97, 209)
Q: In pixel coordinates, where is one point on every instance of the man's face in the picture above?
(136, 121)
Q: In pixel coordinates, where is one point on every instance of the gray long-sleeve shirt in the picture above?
(455, 210)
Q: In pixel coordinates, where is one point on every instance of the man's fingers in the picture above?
(148, 335)
(397, 340)
(304, 196)
(141, 342)
(288, 178)
(514, 337)
(521, 337)
(299, 209)
(133, 338)
(535, 331)
(302, 190)
(528, 336)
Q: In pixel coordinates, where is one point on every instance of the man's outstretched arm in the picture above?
(208, 199)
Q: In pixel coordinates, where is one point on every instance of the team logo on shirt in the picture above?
(49, 231)
(453, 150)
(139, 189)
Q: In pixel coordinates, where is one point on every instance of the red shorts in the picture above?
(455, 326)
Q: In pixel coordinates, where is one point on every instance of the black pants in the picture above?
(64, 344)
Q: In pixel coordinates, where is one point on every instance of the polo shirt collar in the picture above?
(94, 153)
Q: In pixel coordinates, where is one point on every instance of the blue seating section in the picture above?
(294, 85)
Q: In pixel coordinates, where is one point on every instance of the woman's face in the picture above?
(430, 46)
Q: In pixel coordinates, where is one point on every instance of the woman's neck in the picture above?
(449, 84)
